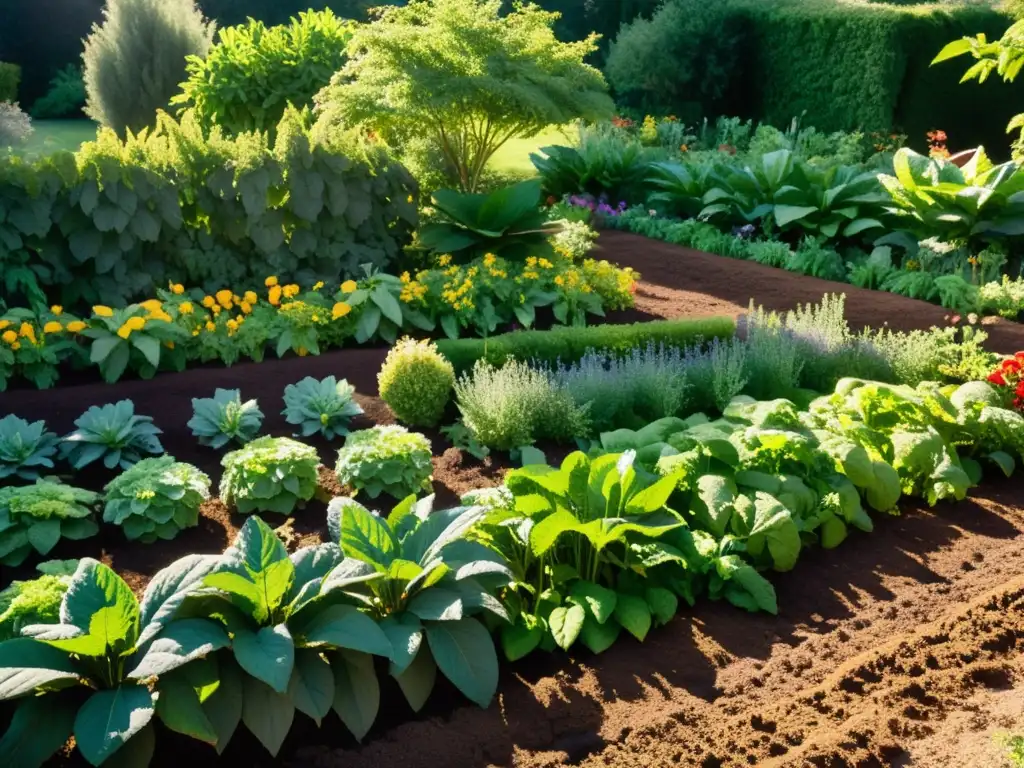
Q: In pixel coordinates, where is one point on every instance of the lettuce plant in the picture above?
(36, 601)
(270, 474)
(218, 420)
(96, 674)
(156, 498)
(25, 447)
(324, 406)
(113, 433)
(36, 517)
(387, 459)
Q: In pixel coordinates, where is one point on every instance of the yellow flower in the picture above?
(215, 309)
(224, 299)
(27, 332)
(545, 263)
(489, 259)
(559, 280)
(195, 332)
(209, 302)
(318, 285)
(240, 319)
(76, 325)
(270, 282)
(302, 351)
(169, 344)
(444, 260)
(177, 289)
(405, 277)
(102, 311)
(250, 297)
(316, 318)
(408, 199)
(10, 337)
(124, 331)
(152, 305)
(340, 310)
(232, 325)
(245, 307)
(57, 309)
(53, 327)
(186, 308)
(275, 295)
(16, 346)
(291, 290)
(160, 315)
(349, 286)
(210, 326)
(135, 323)
(4, 324)
(531, 261)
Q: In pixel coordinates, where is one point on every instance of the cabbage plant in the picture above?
(36, 517)
(156, 498)
(385, 459)
(25, 448)
(270, 474)
(113, 433)
(218, 420)
(323, 406)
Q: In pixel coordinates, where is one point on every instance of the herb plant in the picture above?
(416, 382)
(218, 420)
(113, 433)
(270, 474)
(24, 448)
(385, 459)
(156, 498)
(36, 517)
(324, 406)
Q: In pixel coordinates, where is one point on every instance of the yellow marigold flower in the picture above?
(186, 308)
(209, 301)
(151, 305)
(531, 261)
(177, 289)
(195, 332)
(4, 324)
(340, 310)
(10, 337)
(489, 259)
(444, 259)
(545, 263)
(53, 327)
(559, 280)
(302, 351)
(76, 326)
(124, 331)
(349, 286)
(136, 323)
(27, 332)
(405, 277)
(240, 319)
(246, 307)
(275, 295)
(16, 346)
(270, 282)
(250, 297)
(318, 285)
(102, 311)
(57, 309)
(291, 290)
(233, 325)
(210, 326)
(316, 318)
(224, 298)
(236, 298)
(215, 309)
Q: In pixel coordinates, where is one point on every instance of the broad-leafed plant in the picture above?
(113, 433)
(134, 338)
(96, 674)
(156, 499)
(325, 406)
(36, 517)
(385, 459)
(270, 474)
(218, 420)
(25, 448)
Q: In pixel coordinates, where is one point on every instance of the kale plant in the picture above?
(270, 474)
(387, 459)
(36, 517)
(24, 447)
(324, 406)
(156, 498)
(218, 420)
(112, 433)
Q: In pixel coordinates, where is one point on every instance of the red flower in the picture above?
(1012, 366)
(997, 379)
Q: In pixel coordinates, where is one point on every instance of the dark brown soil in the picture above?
(900, 648)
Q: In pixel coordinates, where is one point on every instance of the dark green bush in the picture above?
(65, 98)
(10, 76)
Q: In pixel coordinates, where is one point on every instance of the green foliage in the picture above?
(10, 76)
(155, 499)
(252, 73)
(1014, 747)
(218, 420)
(812, 258)
(605, 163)
(133, 339)
(416, 382)
(97, 674)
(385, 459)
(111, 432)
(507, 223)
(25, 448)
(36, 601)
(324, 406)
(270, 474)
(135, 59)
(66, 95)
(1005, 298)
(464, 78)
(36, 517)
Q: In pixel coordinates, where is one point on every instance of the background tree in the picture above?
(464, 78)
(135, 59)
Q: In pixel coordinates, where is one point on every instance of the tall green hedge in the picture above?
(116, 219)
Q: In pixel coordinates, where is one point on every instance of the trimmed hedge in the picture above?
(569, 345)
(10, 76)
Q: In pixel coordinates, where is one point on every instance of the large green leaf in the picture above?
(108, 719)
(180, 642)
(598, 601)
(168, 588)
(356, 691)
(311, 687)
(102, 608)
(599, 637)
(267, 713)
(417, 679)
(437, 605)
(565, 623)
(28, 665)
(179, 708)
(342, 626)
(520, 639)
(223, 707)
(40, 726)
(464, 652)
(267, 655)
(405, 633)
(364, 535)
(634, 615)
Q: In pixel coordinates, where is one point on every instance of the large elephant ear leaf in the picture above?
(463, 208)
(503, 208)
(40, 726)
(465, 653)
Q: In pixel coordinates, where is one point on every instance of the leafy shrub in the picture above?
(270, 474)
(813, 258)
(516, 405)
(605, 164)
(15, 125)
(24, 448)
(10, 76)
(36, 601)
(253, 72)
(416, 382)
(1005, 297)
(113, 433)
(135, 59)
(155, 499)
(65, 97)
(36, 517)
(324, 406)
(218, 420)
(386, 459)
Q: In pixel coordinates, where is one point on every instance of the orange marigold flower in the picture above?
(224, 298)
(349, 286)
(10, 337)
(57, 309)
(270, 282)
(275, 295)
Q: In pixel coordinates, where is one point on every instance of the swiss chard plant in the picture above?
(36, 517)
(320, 406)
(25, 448)
(270, 474)
(385, 459)
(113, 433)
(156, 499)
(218, 420)
(96, 674)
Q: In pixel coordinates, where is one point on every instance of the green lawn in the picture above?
(514, 156)
(53, 135)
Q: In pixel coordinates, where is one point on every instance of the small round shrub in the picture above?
(389, 460)
(156, 498)
(270, 474)
(416, 382)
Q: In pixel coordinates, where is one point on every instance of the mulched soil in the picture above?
(900, 648)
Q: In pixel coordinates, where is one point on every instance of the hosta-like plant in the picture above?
(323, 406)
(36, 517)
(156, 499)
(113, 433)
(386, 459)
(25, 448)
(270, 474)
(218, 420)
(97, 674)
(428, 585)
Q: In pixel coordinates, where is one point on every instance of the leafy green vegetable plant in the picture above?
(97, 673)
(36, 601)
(131, 338)
(111, 432)
(24, 448)
(270, 474)
(416, 382)
(156, 498)
(385, 459)
(218, 420)
(324, 406)
(36, 517)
